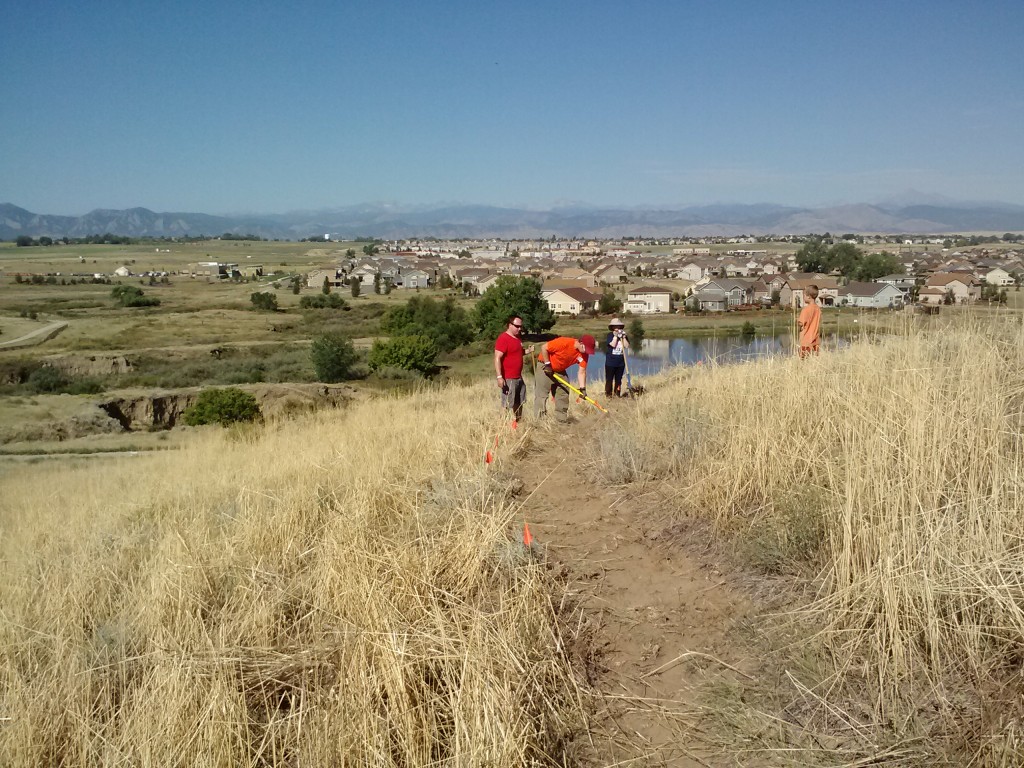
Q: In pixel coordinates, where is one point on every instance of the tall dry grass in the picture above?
(336, 590)
(889, 477)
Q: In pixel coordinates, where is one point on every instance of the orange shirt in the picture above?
(810, 326)
(563, 354)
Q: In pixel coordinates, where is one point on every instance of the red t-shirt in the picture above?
(512, 362)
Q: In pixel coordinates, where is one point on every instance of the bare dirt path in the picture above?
(666, 618)
(37, 336)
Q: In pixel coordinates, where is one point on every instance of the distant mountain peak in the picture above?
(391, 220)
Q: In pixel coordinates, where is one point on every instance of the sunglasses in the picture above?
(515, 325)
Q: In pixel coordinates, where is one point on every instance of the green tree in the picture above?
(875, 265)
(609, 303)
(326, 289)
(264, 302)
(812, 256)
(512, 296)
(844, 257)
(445, 321)
(376, 282)
(296, 285)
(353, 284)
(222, 406)
(636, 333)
(333, 357)
(24, 241)
(350, 253)
(410, 353)
(370, 249)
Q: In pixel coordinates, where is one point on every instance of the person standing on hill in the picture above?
(508, 365)
(557, 356)
(810, 323)
(616, 345)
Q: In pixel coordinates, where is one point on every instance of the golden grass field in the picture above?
(335, 590)
(349, 587)
(885, 484)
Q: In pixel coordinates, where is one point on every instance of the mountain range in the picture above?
(389, 221)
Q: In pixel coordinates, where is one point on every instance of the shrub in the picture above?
(222, 406)
(322, 301)
(410, 353)
(265, 302)
(130, 296)
(49, 380)
(333, 357)
(445, 322)
(46, 379)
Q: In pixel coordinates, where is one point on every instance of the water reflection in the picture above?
(656, 354)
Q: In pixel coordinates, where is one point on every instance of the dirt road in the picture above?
(37, 336)
(664, 616)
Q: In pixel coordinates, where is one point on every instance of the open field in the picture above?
(776, 563)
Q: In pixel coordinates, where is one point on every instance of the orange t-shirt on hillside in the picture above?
(810, 326)
(563, 354)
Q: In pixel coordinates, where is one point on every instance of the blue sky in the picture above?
(234, 107)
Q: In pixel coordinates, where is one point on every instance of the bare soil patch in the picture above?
(664, 618)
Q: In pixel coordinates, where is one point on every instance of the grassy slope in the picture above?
(888, 482)
(334, 590)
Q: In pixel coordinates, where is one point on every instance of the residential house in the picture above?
(904, 282)
(828, 288)
(966, 288)
(870, 295)
(996, 276)
(570, 301)
(415, 278)
(649, 300)
(334, 277)
(737, 291)
(691, 270)
(610, 273)
(711, 299)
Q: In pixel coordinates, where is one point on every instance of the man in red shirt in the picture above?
(557, 356)
(508, 365)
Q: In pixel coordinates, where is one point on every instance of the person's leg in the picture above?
(609, 375)
(561, 403)
(618, 380)
(541, 393)
(517, 395)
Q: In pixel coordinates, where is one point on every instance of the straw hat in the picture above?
(616, 323)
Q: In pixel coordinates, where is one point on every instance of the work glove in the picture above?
(583, 391)
(549, 371)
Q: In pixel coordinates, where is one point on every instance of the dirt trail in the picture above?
(657, 605)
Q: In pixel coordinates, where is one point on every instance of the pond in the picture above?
(656, 354)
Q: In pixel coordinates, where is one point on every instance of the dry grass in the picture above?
(889, 478)
(337, 590)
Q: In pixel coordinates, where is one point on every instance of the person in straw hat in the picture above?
(616, 346)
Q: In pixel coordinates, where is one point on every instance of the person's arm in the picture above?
(498, 356)
(581, 378)
(545, 359)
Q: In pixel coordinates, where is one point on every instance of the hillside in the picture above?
(477, 221)
(780, 562)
